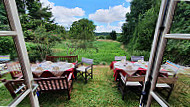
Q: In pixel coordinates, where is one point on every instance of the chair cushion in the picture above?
(162, 85)
(82, 68)
(129, 83)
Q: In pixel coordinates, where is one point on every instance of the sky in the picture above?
(107, 15)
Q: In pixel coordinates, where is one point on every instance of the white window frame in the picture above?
(161, 36)
(18, 38)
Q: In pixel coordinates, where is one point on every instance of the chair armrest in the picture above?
(19, 77)
(76, 61)
(70, 76)
(77, 64)
(20, 88)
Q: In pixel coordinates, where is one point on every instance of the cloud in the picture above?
(128, 0)
(110, 15)
(64, 16)
(109, 28)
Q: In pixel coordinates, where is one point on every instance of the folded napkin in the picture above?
(39, 69)
(55, 68)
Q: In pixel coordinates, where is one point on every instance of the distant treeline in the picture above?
(105, 34)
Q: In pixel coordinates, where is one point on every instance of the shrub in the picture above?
(7, 47)
(108, 37)
(101, 37)
(33, 52)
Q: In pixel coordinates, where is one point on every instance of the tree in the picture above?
(3, 18)
(36, 11)
(81, 35)
(113, 35)
(138, 7)
(44, 41)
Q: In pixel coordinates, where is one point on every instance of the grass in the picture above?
(107, 50)
(102, 89)
(99, 91)
(5, 97)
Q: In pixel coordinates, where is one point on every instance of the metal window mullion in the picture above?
(159, 100)
(162, 46)
(178, 36)
(155, 42)
(18, 99)
(156, 37)
(15, 25)
(8, 33)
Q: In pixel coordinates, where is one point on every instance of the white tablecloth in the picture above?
(55, 68)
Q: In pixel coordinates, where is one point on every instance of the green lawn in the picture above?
(106, 51)
(99, 91)
(102, 89)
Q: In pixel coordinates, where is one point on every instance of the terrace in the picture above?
(102, 89)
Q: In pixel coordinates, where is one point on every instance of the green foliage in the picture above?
(7, 47)
(44, 41)
(105, 51)
(144, 32)
(38, 27)
(37, 12)
(33, 51)
(108, 37)
(138, 31)
(82, 30)
(4, 26)
(6, 44)
(113, 35)
(81, 35)
(119, 38)
(181, 20)
(138, 7)
(101, 37)
(102, 33)
(178, 50)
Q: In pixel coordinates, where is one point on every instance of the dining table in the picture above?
(56, 68)
(130, 68)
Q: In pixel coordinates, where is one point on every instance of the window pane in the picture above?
(4, 24)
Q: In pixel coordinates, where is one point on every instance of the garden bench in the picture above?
(55, 84)
(72, 59)
(44, 85)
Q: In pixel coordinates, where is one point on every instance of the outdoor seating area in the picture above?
(119, 53)
(59, 76)
(132, 74)
(55, 74)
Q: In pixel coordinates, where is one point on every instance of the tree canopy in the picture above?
(113, 35)
(82, 29)
(138, 31)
